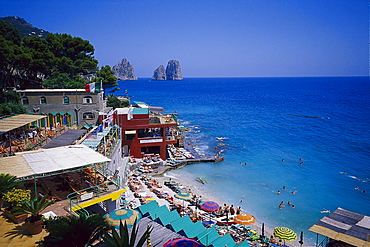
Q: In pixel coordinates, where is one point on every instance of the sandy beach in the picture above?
(198, 189)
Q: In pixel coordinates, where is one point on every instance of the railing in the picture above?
(324, 242)
(92, 192)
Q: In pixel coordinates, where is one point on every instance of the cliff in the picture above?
(173, 70)
(159, 74)
(124, 71)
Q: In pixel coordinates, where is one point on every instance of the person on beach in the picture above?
(238, 210)
(232, 210)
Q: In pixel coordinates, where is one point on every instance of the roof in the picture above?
(15, 122)
(346, 226)
(223, 241)
(181, 223)
(66, 138)
(148, 207)
(154, 213)
(159, 235)
(208, 236)
(44, 161)
(166, 218)
(143, 111)
(194, 229)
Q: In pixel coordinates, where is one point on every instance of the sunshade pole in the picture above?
(96, 179)
(35, 185)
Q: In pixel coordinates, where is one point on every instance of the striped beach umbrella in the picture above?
(210, 206)
(186, 242)
(184, 195)
(127, 216)
(244, 219)
(285, 233)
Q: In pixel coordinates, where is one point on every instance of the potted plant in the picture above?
(13, 198)
(33, 207)
(7, 182)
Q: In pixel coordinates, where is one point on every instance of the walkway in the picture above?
(16, 235)
(66, 138)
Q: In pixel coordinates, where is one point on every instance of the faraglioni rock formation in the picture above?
(172, 72)
(124, 71)
(159, 74)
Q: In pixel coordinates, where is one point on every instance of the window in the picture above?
(87, 100)
(65, 100)
(42, 100)
(24, 101)
(88, 115)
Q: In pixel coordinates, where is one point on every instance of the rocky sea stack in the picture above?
(172, 72)
(124, 71)
(159, 74)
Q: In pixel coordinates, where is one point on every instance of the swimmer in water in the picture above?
(278, 192)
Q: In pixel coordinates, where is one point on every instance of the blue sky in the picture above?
(214, 38)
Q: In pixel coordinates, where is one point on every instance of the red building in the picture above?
(145, 132)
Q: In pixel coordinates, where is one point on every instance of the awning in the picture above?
(61, 113)
(345, 226)
(52, 113)
(130, 132)
(15, 122)
(44, 161)
(69, 113)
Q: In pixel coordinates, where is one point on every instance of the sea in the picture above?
(307, 138)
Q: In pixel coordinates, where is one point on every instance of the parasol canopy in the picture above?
(285, 233)
(210, 206)
(184, 195)
(244, 219)
(178, 242)
(127, 216)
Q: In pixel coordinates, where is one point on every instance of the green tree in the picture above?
(109, 80)
(9, 32)
(11, 96)
(113, 101)
(40, 58)
(72, 55)
(72, 230)
(12, 108)
(62, 80)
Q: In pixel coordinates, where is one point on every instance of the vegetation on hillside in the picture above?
(59, 61)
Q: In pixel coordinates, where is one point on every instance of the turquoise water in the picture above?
(250, 117)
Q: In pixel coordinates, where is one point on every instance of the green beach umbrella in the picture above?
(285, 233)
(126, 215)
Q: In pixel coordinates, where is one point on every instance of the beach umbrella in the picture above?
(210, 206)
(186, 242)
(184, 195)
(244, 219)
(285, 233)
(127, 216)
